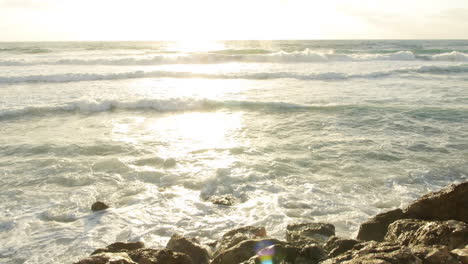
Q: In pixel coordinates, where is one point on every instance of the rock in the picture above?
(98, 206)
(191, 247)
(450, 203)
(411, 232)
(107, 258)
(461, 254)
(226, 200)
(309, 232)
(337, 246)
(235, 236)
(119, 247)
(288, 254)
(243, 251)
(159, 256)
(434, 255)
(376, 253)
(376, 227)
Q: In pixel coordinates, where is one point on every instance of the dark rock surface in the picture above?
(434, 255)
(119, 247)
(337, 245)
(107, 258)
(307, 233)
(411, 232)
(284, 253)
(235, 236)
(461, 254)
(189, 246)
(378, 253)
(450, 203)
(99, 206)
(159, 256)
(376, 227)
(244, 251)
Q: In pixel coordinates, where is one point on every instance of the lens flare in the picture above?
(265, 251)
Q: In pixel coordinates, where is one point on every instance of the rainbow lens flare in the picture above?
(265, 251)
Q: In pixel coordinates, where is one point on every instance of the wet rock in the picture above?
(376, 253)
(337, 245)
(450, 203)
(159, 256)
(434, 255)
(308, 233)
(235, 236)
(243, 251)
(288, 254)
(226, 200)
(376, 227)
(98, 206)
(119, 247)
(191, 247)
(461, 254)
(108, 258)
(411, 232)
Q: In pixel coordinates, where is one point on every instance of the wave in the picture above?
(305, 56)
(326, 76)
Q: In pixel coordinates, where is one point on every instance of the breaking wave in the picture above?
(304, 56)
(328, 76)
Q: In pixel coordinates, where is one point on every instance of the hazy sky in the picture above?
(39, 20)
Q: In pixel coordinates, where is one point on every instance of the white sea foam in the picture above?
(78, 77)
(304, 56)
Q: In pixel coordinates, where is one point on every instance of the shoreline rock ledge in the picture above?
(432, 230)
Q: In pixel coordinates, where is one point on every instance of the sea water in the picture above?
(295, 131)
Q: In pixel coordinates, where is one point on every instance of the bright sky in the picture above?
(40, 20)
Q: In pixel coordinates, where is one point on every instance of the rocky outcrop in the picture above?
(410, 232)
(235, 236)
(376, 227)
(395, 238)
(99, 206)
(244, 251)
(288, 254)
(376, 253)
(119, 247)
(450, 203)
(309, 233)
(189, 246)
(107, 258)
(159, 256)
(337, 245)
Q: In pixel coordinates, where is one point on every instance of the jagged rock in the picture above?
(337, 245)
(191, 247)
(461, 254)
(119, 247)
(243, 251)
(411, 232)
(226, 200)
(308, 233)
(159, 256)
(288, 254)
(450, 203)
(434, 255)
(376, 253)
(376, 227)
(98, 206)
(107, 258)
(235, 236)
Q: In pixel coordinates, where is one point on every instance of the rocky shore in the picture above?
(432, 230)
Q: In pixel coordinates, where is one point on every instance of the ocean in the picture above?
(293, 131)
